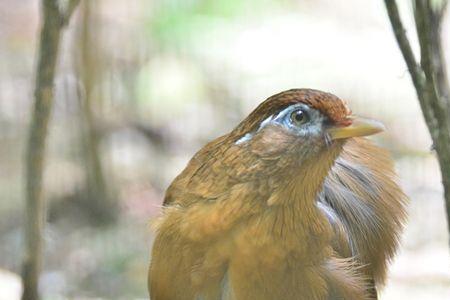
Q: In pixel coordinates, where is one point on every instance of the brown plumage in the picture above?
(291, 204)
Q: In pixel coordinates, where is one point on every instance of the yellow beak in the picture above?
(359, 127)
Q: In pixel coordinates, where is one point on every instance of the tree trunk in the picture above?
(53, 22)
(101, 202)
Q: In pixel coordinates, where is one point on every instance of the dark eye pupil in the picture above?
(298, 117)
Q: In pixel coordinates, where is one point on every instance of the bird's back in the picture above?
(365, 205)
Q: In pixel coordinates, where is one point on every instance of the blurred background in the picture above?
(141, 85)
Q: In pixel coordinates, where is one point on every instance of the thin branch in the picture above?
(50, 36)
(405, 47)
(436, 13)
(423, 33)
(417, 73)
(431, 84)
(66, 16)
(431, 59)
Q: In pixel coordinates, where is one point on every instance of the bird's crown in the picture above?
(328, 104)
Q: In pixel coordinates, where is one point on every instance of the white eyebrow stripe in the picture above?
(244, 139)
(265, 122)
(248, 136)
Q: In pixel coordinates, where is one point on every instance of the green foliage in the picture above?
(176, 20)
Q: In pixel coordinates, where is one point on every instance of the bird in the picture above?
(294, 203)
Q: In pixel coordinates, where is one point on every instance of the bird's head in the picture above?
(300, 126)
(290, 140)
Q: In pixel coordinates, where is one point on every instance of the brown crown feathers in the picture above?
(330, 105)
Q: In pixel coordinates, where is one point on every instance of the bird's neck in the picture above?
(293, 204)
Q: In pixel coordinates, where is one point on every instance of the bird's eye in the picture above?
(299, 117)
